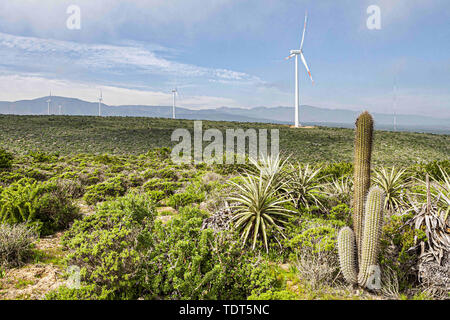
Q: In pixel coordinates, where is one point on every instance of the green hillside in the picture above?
(126, 135)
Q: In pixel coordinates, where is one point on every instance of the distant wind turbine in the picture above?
(395, 104)
(296, 53)
(48, 103)
(100, 99)
(60, 109)
(174, 92)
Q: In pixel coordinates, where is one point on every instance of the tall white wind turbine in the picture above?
(48, 103)
(100, 99)
(174, 92)
(395, 104)
(296, 53)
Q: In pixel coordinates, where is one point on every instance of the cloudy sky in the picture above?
(229, 53)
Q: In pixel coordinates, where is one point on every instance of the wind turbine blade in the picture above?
(291, 56)
(306, 66)
(304, 30)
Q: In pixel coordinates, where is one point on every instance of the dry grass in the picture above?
(319, 269)
(16, 244)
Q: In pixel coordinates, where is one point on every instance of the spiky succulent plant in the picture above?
(259, 208)
(393, 183)
(362, 158)
(357, 267)
(358, 248)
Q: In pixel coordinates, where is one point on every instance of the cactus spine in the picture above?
(358, 249)
(372, 232)
(363, 152)
(346, 249)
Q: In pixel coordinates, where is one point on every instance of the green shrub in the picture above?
(8, 177)
(168, 187)
(167, 173)
(108, 245)
(396, 249)
(183, 199)
(275, 295)
(213, 267)
(432, 168)
(16, 244)
(335, 171)
(44, 205)
(316, 237)
(125, 253)
(113, 187)
(341, 212)
(43, 157)
(65, 293)
(6, 159)
(308, 232)
(156, 195)
(107, 159)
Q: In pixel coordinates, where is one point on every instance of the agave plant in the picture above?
(340, 188)
(270, 167)
(305, 186)
(259, 207)
(439, 190)
(429, 218)
(392, 182)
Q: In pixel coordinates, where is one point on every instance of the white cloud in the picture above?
(31, 87)
(105, 58)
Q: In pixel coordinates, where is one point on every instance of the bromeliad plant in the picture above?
(305, 186)
(340, 188)
(358, 248)
(259, 209)
(392, 182)
(270, 167)
(439, 190)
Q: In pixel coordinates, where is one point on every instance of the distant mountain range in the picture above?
(282, 115)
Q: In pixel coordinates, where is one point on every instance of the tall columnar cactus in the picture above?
(363, 152)
(373, 219)
(358, 249)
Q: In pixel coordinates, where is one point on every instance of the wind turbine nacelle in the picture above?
(296, 51)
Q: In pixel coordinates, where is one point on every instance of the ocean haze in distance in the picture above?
(309, 115)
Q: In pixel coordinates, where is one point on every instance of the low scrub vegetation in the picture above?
(142, 227)
(16, 244)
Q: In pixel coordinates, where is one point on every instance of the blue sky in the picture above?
(229, 53)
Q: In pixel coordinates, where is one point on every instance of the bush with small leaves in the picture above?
(16, 244)
(178, 200)
(6, 159)
(168, 187)
(113, 187)
(125, 253)
(44, 205)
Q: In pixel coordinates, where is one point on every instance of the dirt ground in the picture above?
(35, 279)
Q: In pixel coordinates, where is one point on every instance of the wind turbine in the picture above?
(60, 109)
(395, 104)
(100, 99)
(48, 103)
(174, 92)
(296, 53)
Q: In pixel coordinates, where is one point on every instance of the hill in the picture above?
(136, 135)
(281, 115)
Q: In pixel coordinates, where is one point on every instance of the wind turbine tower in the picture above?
(60, 109)
(174, 92)
(395, 104)
(100, 99)
(48, 103)
(296, 54)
